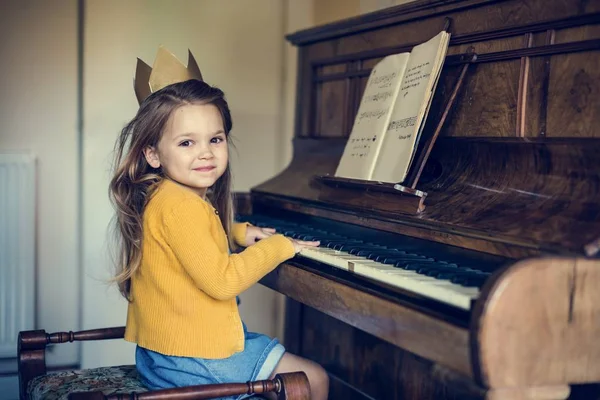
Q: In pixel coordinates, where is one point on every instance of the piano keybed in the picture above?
(452, 279)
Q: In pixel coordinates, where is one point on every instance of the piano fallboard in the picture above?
(503, 196)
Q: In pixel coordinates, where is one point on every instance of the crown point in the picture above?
(166, 70)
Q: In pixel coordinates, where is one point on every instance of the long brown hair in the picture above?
(134, 180)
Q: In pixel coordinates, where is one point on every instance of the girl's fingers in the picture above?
(263, 234)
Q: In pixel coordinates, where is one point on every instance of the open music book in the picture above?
(392, 113)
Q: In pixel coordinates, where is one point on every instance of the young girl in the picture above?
(171, 189)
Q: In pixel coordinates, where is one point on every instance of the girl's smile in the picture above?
(204, 169)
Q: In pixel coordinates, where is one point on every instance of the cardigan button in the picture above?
(216, 212)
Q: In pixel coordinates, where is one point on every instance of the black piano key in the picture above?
(403, 262)
(414, 266)
(354, 249)
(343, 241)
(396, 258)
(435, 269)
(338, 246)
(373, 254)
(470, 279)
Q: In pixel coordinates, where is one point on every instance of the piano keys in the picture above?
(488, 291)
(411, 265)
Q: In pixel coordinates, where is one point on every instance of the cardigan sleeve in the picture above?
(238, 231)
(219, 274)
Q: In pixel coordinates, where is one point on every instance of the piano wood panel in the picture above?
(487, 104)
(489, 99)
(574, 96)
(372, 313)
(358, 362)
(537, 93)
(331, 69)
(577, 33)
(362, 361)
(488, 46)
(331, 115)
(541, 192)
(469, 16)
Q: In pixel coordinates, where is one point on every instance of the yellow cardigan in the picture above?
(183, 296)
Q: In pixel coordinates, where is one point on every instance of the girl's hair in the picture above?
(134, 180)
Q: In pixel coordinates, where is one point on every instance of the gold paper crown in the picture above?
(166, 70)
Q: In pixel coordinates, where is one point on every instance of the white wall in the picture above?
(38, 112)
(239, 47)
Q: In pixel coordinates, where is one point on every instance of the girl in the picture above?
(171, 189)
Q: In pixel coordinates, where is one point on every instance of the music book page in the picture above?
(391, 114)
(372, 118)
(407, 119)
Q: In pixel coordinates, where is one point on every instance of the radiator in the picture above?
(17, 248)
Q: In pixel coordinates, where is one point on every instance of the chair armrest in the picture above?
(287, 386)
(31, 352)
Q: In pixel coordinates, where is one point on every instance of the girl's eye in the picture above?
(186, 143)
(217, 139)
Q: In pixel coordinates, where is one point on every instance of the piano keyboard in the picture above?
(440, 290)
(450, 281)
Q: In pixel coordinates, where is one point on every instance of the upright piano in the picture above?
(488, 286)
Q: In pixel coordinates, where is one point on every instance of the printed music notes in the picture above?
(392, 113)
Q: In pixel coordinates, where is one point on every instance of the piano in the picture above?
(489, 286)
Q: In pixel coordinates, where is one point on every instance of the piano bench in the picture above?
(122, 382)
(107, 380)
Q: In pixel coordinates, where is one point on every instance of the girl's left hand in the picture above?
(254, 234)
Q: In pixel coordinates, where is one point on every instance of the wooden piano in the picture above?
(490, 288)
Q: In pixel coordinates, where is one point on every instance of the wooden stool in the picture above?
(122, 382)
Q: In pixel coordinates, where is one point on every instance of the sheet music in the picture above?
(413, 101)
(372, 118)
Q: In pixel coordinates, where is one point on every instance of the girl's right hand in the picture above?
(300, 244)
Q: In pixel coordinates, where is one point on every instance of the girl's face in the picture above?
(193, 148)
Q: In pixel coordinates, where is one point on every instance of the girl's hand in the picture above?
(301, 244)
(254, 234)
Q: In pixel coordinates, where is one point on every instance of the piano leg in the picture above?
(559, 392)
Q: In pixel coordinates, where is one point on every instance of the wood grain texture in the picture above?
(552, 341)
(492, 14)
(31, 356)
(462, 239)
(331, 109)
(539, 195)
(537, 91)
(560, 392)
(489, 106)
(574, 96)
(288, 386)
(428, 337)
(361, 361)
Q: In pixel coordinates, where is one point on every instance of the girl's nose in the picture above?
(205, 152)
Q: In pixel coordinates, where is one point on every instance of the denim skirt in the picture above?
(257, 361)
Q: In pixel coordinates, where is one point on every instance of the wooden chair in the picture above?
(122, 382)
